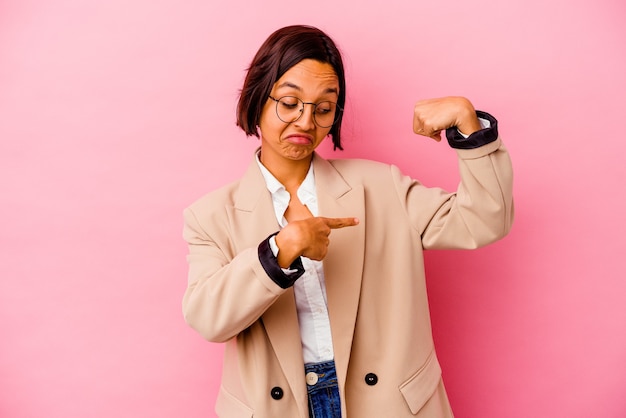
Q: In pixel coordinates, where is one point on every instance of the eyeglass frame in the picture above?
(338, 110)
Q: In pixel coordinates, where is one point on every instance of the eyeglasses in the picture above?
(290, 109)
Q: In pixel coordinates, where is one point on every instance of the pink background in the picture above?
(116, 114)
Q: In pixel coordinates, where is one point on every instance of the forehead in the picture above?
(310, 77)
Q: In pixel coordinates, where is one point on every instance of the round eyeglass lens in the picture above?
(289, 109)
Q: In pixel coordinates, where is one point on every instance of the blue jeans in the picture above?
(323, 393)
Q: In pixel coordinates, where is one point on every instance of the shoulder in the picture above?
(358, 165)
(238, 191)
(364, 171)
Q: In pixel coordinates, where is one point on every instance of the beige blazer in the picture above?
(375, 284)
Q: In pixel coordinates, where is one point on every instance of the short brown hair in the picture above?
(282, 50)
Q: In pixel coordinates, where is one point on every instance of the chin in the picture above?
(298, 152)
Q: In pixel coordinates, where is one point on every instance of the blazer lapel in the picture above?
(256, 220)
(343, 265)
(283, 331)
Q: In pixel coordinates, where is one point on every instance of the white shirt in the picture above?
(310, 288)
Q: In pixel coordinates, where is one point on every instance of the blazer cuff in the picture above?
(478, 138)
(273, 270)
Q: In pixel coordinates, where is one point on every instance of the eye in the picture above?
(289, 103)
(324, 108)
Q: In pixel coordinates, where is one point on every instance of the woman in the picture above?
(311, 270)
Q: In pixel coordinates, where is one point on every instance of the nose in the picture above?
(306, 121)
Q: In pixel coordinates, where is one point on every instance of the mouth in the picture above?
(299, 139)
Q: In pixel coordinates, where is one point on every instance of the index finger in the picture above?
(336, 223)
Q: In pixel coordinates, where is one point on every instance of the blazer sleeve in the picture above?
(225, 294)
(478, 213)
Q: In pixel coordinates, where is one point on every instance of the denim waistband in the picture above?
(326, 375)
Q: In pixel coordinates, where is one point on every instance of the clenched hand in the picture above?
(432, 116)
(308, 237)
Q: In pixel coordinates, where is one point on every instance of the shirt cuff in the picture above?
(284, 278)
(488, 134)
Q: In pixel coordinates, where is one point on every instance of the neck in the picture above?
(290, 173)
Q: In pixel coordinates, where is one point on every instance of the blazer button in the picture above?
(277, 393)
(371, 379)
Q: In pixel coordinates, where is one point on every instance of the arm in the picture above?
(481, 210)
(226, 292)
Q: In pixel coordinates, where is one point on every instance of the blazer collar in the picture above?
(251, 189)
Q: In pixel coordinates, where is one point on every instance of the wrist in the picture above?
(467, 121)
(269, 262)
(287, 252)
(485, 135)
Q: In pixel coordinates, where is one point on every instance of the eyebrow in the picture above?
(296, 87)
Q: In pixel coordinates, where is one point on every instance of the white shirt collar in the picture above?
(280, 197)
(306, 191)
(272, 184)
